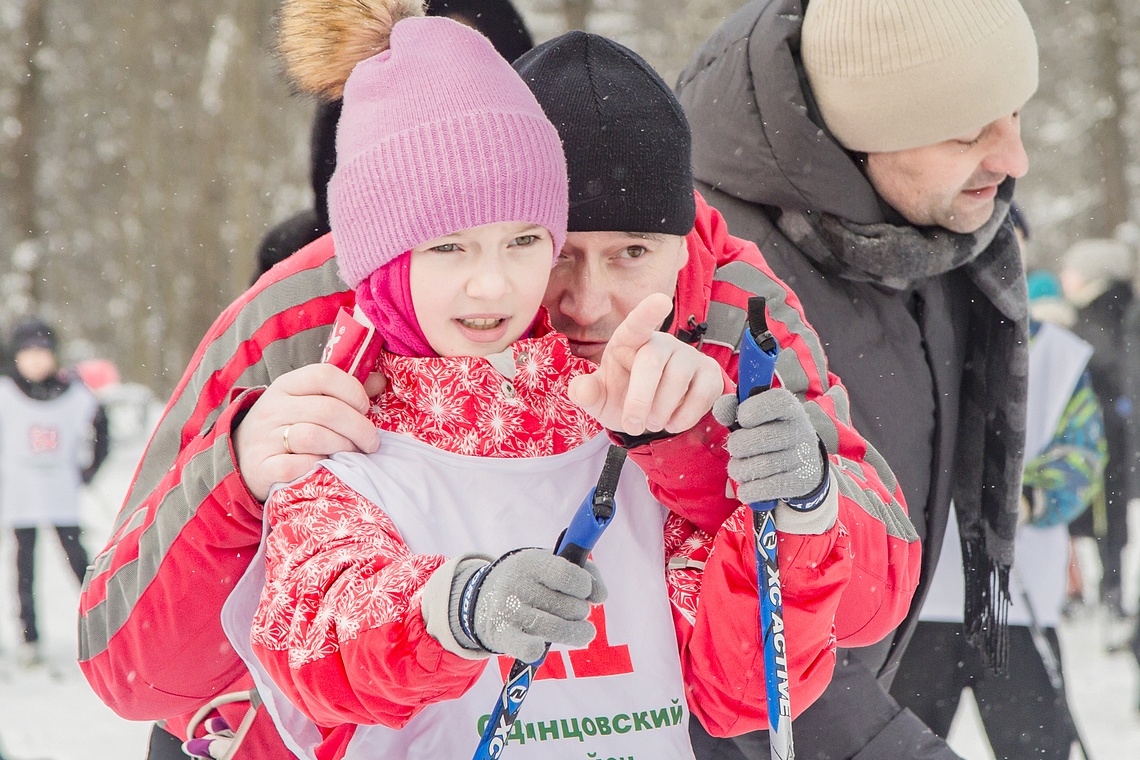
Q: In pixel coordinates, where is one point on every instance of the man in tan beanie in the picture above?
(870, 148)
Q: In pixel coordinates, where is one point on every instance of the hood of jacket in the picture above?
(757, 134)
(694, 282)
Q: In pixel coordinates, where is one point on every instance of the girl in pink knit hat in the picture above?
(448, 205)
(391, 594)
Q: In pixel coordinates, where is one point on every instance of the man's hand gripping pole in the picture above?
(757, 366)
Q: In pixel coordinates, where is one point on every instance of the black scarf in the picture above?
(991, 431)
(45, 390)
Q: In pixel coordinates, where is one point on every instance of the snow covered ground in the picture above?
(50, 713)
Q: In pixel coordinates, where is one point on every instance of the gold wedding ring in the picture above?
(285, 439)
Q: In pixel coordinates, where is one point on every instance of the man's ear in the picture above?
(683, 259)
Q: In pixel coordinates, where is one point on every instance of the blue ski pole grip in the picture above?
(579, 538)
(758, 353)
(593, 514)
(757, 364)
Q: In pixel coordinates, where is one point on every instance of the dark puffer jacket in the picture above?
(758, 149)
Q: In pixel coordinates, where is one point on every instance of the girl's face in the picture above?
(476, 291)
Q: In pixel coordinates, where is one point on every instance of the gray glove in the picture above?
(521, 601)
(775, 455)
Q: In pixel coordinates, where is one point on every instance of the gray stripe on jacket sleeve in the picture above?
(204, 471)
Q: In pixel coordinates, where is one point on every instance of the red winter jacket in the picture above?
(151, 642)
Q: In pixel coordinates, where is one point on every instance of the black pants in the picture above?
(855, 719)
(164, 746)
(1110, 545)
(1022, 714)
(26, 570)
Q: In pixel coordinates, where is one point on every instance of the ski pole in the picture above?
(592, 517)
(757, 365)
(1052, 665)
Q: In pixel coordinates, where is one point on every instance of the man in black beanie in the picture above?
(636, 226)
(627, 141)
(636, 229)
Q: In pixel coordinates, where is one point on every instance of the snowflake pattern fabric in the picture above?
(335, 566)
(510, 405)
(687, 549)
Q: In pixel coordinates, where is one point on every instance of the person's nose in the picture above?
(489, 281)
(1008, 155)
(583, 297)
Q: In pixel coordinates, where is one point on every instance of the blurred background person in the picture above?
(53, 439)
(1096, 277)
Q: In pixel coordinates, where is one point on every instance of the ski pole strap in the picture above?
(470, 597)
(467, 603)
(819, 494)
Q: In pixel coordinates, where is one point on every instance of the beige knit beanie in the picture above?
(896, 74)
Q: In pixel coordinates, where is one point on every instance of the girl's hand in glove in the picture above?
(775, 455)
(521, 601)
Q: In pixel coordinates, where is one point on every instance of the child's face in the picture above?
(35, 364)
(476, 291)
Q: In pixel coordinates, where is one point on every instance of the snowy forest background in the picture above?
(145, 148)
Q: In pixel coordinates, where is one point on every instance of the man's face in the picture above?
(1072, 282)
(600, 276)
(953, 183)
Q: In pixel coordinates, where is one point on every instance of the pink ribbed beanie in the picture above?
(438, 134)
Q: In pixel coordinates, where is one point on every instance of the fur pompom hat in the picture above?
(437, 132)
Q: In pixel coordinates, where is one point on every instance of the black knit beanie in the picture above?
(627, 142)
(33, 333)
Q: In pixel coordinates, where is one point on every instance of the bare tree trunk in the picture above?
(669, 32)
(1072, 127)
(1107, 136)
(23, 201)
(169, 144)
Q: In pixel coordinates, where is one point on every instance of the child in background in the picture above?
(53, 438)
(447, 208)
